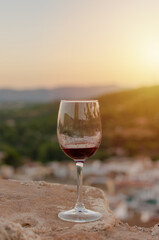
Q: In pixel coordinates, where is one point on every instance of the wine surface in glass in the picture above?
(79, 153)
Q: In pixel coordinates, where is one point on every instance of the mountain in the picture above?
(48, 95)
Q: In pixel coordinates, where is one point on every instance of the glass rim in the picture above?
(78, 100)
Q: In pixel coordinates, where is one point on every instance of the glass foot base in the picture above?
(80, 216)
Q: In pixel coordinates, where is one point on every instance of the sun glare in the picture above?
(152, 54)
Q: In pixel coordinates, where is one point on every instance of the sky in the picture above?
(51, 43)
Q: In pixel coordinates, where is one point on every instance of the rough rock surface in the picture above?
(29, 212)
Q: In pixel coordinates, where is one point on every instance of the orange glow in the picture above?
(81, 43)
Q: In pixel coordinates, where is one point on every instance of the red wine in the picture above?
(79, 153)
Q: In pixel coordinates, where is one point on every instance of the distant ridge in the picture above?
(48, 95)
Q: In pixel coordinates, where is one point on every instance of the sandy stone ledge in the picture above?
(29, 212)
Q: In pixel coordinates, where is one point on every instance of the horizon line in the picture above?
(58, 87)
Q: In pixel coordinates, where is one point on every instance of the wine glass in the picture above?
(79, 134)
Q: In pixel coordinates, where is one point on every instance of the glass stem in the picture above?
(79, 204)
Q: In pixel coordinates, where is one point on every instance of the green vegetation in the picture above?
(10, 156)
(30, 131)
(130, 122)
(130, 127)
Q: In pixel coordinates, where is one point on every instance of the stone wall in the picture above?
(28, 211)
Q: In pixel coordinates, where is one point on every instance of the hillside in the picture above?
(130, 127)
(130, 122)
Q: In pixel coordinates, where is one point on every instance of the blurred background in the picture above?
(106, 50)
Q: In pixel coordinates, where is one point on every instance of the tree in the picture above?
(50, 151)
(11, 156)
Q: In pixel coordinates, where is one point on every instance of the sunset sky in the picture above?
(50, 43)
